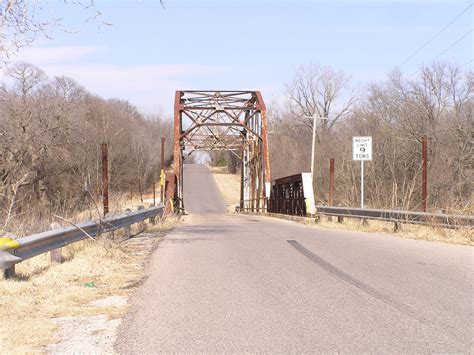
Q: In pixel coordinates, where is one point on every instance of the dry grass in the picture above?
(463, 236)
(41, 292)
(229, 186)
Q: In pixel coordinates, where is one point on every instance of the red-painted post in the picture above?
(162, 173)
(424, 186)
(105, 178)
(331, 182)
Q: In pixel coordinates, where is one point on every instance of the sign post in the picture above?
(361, 151)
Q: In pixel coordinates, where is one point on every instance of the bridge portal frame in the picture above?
(232, 120)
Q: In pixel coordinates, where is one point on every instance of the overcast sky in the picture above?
(148, 52)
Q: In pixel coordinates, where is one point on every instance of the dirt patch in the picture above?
(110, 301)
(86, 335)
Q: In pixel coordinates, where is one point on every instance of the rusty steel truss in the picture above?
(234, 121)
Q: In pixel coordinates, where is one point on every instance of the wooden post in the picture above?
(55, 255)
(397, 226)
(127, 230)
(105, 178)
(8, 273)
(141, 225)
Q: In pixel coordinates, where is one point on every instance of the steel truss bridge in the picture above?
(234, 121)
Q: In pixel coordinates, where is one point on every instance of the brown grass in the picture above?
(229, 186)
(41, 292)
(463, 236)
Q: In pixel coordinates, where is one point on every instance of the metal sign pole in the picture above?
(361, 150)
(361, 184)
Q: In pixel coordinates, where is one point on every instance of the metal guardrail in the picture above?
(399, 216)
(396, 216)
(36, 244)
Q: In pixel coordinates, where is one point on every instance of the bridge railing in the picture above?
(253, 205)
(295, 206)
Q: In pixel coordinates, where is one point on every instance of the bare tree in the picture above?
(22, 22)
(397, 113)
(51, 131)
(320, 91)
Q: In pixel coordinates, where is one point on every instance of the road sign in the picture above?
(361, 148)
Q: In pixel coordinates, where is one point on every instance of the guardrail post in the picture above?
(127, 230)
(340, 219)
(55, 255)
(8, 273)
(397, 226)
(141, 225)
(152, 219)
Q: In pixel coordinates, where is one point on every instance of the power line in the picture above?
(466, 64)
(447, 49)
(437, 34)
(452, 45)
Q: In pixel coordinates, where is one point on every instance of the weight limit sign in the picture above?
(361, 148)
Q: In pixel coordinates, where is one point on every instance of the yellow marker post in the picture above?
(8, 244)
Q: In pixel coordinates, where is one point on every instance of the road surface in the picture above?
(231, 283)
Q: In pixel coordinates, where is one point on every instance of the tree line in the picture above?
(397, 112)
(51, 130)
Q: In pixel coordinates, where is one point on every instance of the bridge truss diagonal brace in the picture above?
(234, 121)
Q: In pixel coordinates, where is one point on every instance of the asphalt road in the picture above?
(233, 283)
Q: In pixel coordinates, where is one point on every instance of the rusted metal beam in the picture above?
(162, 172)
(424, 183)
(235, 121)
(331, 182)
(177, 168)
(266, 156)
(105, 178)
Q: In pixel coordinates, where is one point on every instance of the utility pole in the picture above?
(105, 178)
(313, 147)
(162, 174)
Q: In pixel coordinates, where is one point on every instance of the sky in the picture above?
(149, 52)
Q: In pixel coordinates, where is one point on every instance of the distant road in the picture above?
(201, 194)
(230, 283)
